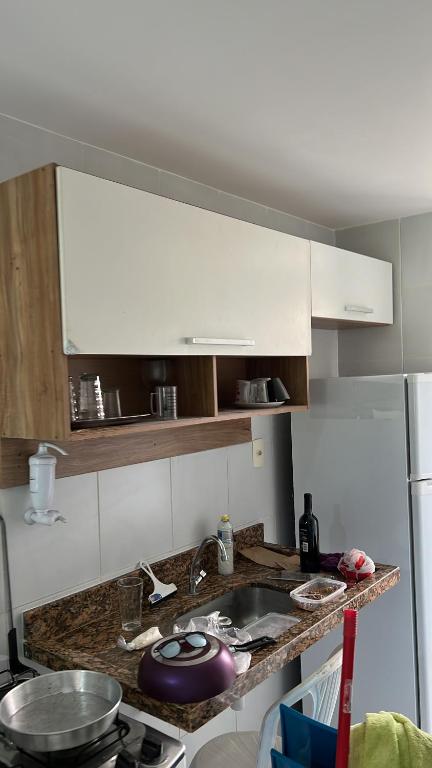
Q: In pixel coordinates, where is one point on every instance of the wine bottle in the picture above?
(309, 538)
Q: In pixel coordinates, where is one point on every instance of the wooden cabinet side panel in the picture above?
(33, 370)
(196, 377)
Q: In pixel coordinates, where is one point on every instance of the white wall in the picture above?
(407, 345)
(153, 509)
(364, 351)
(416, 248)
(324, 361)
(23, 147)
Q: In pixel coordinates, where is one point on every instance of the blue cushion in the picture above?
(280, 761)
(307, 742)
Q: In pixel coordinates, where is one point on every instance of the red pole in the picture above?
(344, 723)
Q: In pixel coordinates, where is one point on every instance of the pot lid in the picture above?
(185, 649)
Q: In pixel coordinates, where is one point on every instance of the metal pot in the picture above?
(191, 674)
(62, 710)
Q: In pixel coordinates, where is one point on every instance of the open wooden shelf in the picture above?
(206, 387)
(293, 372)
(207, 419)
(145, 427)
(154, 425)
(241, 413)
(136, 377)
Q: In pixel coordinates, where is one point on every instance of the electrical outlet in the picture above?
(258, 452)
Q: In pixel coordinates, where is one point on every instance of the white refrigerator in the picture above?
(364, 451)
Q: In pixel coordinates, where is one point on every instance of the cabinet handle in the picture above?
(221, 342)
(358, 308)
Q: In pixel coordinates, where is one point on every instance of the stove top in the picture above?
(127, 743)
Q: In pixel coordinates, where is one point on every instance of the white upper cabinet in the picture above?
(349, 288)
(146, 275)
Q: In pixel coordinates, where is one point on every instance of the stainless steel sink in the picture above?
(244, 605)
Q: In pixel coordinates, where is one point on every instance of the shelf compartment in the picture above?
(137, 377)
(293, 372)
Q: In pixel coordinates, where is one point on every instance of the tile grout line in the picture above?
(99, 526)
(228, 483)
(172, 504)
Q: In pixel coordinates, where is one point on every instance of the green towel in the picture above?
(388, 740)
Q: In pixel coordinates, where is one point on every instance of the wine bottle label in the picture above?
(304, 546)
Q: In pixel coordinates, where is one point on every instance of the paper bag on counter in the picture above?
(272, 559)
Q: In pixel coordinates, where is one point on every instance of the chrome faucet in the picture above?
(195, 579)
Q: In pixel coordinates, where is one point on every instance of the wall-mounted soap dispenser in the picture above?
(42, 479)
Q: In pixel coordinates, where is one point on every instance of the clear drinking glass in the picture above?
(130, 601)
(111, 402)
(90, 397)
(165, 398)
(73, 400)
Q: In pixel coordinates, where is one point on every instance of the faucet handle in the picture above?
(202, 574)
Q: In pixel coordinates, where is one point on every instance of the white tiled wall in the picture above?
(135, 515)
(48, 559)
(150, 510)
(199, 494)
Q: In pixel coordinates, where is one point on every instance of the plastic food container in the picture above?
(272, 624)
(316, 593)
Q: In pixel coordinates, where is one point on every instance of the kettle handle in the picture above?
(253, 645)
(155, 411)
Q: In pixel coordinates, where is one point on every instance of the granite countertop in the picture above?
(80, 631)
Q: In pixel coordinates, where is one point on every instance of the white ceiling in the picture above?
(322, 108)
